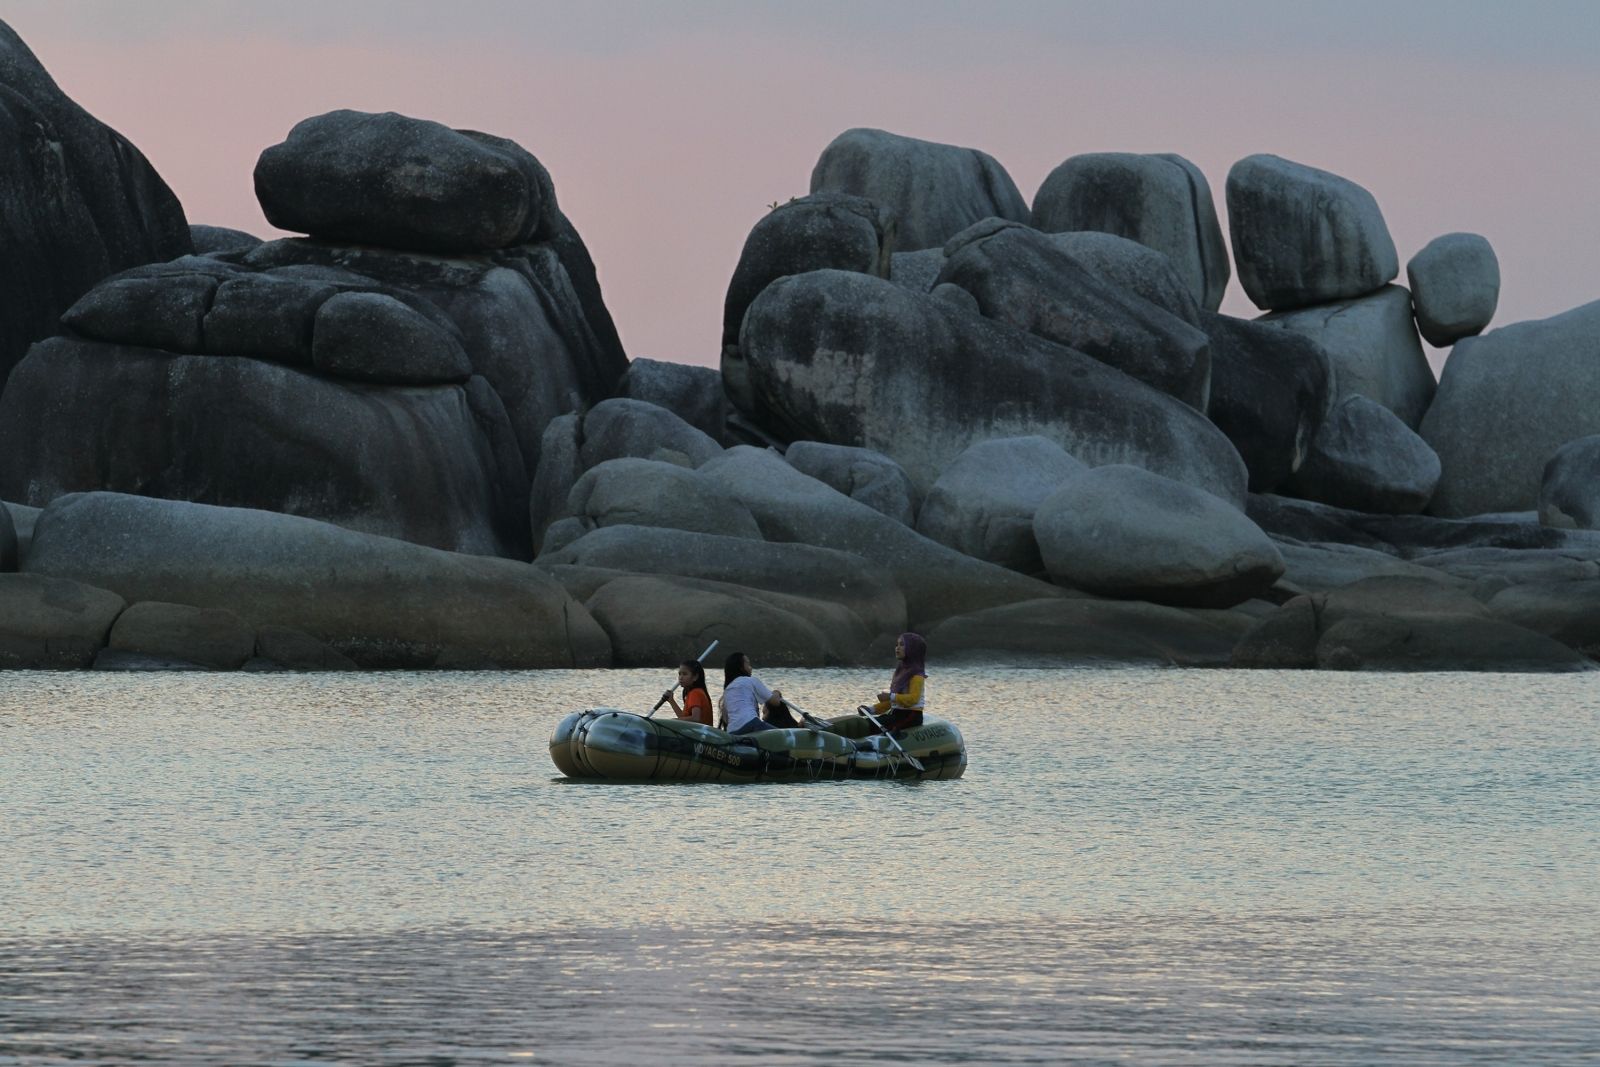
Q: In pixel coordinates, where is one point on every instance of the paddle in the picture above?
(701, 658)
(874, 720)
(820, 725)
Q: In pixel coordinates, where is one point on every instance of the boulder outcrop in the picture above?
(643, 492)
(855, 360)
(78, 203)
(1372, 342)
(787, 568)
(983, 504)
(1132, 268)
(1122, 531)
(692, 393)
(1507, 400)
(210, 637)
(417, 464)
(1083, 631)
(1270, 391)
(1365, 459)
(1022, 278)
(384, 603)
(1455, 286)
(1161, 201)
(860, 474)
(49, 623)
(934, 191)
(936, 581)
(1303, 236)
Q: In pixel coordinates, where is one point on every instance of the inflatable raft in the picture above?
(607, 743)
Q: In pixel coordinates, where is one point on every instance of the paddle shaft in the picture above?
(819, 724)
(701, 659)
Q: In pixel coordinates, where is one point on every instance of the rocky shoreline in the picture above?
(411, 438)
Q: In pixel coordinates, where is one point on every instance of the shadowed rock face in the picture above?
(850, 359)
(78, 202)
(1366, 459)
(1161, 201)
(436, 465)
(1569, 493)
(1020, 277)
(1373, 344)
(384, 603)
(1270, 390)
(933, 190)
(983, 503)
(1304, 236)
(1507, 400)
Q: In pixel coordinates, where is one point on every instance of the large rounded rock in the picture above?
(651, 621)
(1161, 201)
(1283, 640)
(937, 581)
(790, 568)
(78, 203)
(1022, 278)
(983, 503)
(1270, 390)
(420, 464)
(616, 428)
(1080, 631)
(383, 603)
(51, 623)
(1447, 642)
(917, 271)
(371, 337)
(692, 393)
(817, 232)
(1133, 268)
(1319, 567)
(1569, 492)
(1507, 401)
(937, 379)
(934, 191)
(1455, 286)
(642, 492)
(1365, 459)
(1304, 236)
(1567, 611)
(9, 547)
(399, 182)
(1373, 345)
(211, 637)
(1125, 532)
(860, 474)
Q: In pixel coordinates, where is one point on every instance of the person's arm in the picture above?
(676, 710)
(913, 694)
(763, 694)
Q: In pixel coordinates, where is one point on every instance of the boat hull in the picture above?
(619, 745)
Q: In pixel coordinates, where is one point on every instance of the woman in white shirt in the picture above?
(744, 697)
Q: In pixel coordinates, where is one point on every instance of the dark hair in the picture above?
(733, 668)
(699, 673)
(914, 663)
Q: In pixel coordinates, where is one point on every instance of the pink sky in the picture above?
(667, 140)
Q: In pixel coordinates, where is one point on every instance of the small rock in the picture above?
(1426, 642)
(49, 623)
(1455, 286)
(296, 650)
(215, 638)
(1569, 492)
(371, 337)
(642, 492)
(1283, 640)
(209, 239)
(694, 394)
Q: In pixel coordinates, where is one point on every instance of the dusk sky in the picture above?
(669, 127)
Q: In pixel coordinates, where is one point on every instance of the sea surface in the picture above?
(1140, 866)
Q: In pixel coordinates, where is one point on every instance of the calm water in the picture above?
(1140, 866)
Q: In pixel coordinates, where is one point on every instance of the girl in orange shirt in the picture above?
(696, 705)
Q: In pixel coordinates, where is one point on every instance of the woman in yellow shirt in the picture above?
(900, 708)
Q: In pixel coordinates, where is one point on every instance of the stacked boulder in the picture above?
(393, 373)
(1314, 252)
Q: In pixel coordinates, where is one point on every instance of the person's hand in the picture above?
(884, 696)
(777, 694)
(667, 695)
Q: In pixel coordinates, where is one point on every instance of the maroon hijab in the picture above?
(914, 663)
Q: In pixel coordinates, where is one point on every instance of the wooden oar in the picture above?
(820, 725)
(874, 720)
(701, 659)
